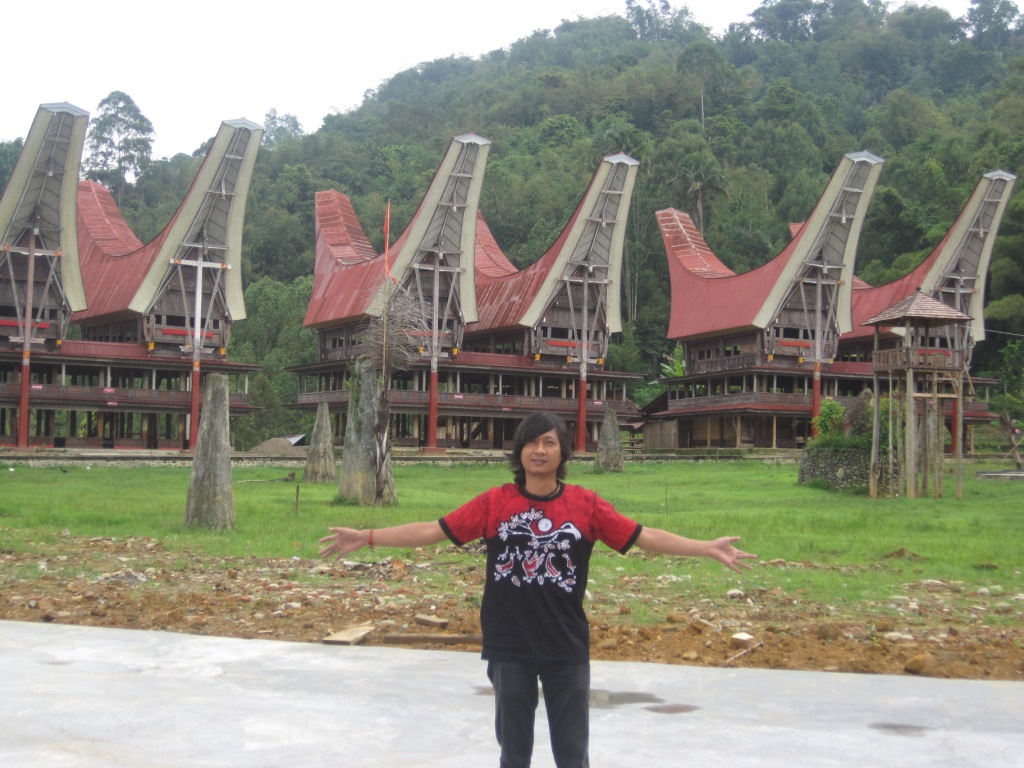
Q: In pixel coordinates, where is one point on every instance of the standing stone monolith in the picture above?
(366, 476)
(211, 501)
(609, 445)
(320, 463)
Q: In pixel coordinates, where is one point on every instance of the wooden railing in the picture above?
(922, 358)
(481, 402)
(113, 397)
(741, 399)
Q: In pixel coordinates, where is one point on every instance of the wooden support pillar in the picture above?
(876, 432)
(432, 408)
(581, 411)
(193, 424)
(910, 464)
(815, 398)
(958, 431)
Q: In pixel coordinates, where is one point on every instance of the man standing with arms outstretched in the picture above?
(540, 533)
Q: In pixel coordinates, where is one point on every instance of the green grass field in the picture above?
(843, 548)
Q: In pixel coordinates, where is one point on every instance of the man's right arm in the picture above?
(342, 541)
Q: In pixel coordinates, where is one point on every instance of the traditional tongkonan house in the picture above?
(498, 343)
(762, 348)
(153, 317)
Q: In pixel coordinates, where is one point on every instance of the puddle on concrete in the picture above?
(601, 699)
(900, 729)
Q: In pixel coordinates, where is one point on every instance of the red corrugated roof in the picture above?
(708, 298)
(502, 300)
(113, 260)
(490, 260)
(866, 302)
(347, 272)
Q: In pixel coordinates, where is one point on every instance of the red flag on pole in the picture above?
(387, 237)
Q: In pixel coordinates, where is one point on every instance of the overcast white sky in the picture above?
(191, 64)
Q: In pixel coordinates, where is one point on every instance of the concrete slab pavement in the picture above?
(82, 697)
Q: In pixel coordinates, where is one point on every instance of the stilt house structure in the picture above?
(763, 348)
(500, 342)
(919, 375)
(152, 317)
(40, 280)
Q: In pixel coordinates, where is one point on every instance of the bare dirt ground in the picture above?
(431, 601)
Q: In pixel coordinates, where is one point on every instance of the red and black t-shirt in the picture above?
(538, 558)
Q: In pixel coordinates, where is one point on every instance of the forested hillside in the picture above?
(741, 130)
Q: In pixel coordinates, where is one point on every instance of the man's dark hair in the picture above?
(529, 429)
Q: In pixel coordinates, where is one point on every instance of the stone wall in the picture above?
(844, 468)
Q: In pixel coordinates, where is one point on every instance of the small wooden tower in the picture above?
(925, 367)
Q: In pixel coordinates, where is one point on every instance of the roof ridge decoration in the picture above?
(824, 250)
(340, 238)
(442, 232)
(590, 248)
(207, 226)
(38, 207)
(959, 272)
(684, 242)
(955, 272)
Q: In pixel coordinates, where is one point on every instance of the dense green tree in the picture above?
(834, 19)
(658, 21)
(702, 177)
(745, 231)
(703, 62)
(273, 336)
(119, 145)
(893, 227)
(9, 152)
(785, 21)
(990, 23)
(903, 117)
(279, 128)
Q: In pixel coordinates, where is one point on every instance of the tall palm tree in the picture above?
(703, 176)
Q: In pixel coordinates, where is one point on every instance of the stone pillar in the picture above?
(211, 501)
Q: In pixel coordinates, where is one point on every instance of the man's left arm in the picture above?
(661, 542)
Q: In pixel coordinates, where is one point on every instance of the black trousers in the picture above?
(567, 701)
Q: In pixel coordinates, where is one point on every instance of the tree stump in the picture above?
(320, 463)
(609, 446)
(211, 501)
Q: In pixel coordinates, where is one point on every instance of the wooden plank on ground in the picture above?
(349, 636)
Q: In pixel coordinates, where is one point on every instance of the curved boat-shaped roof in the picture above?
(709, 299)
(122, 277)
(593, 237)
(349, 276)
(956, 271)
(40, 194)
